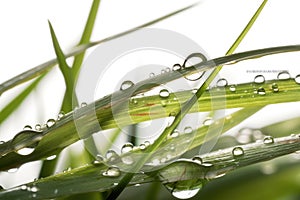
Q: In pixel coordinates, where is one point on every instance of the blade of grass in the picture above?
(42, 68)
(181, 113)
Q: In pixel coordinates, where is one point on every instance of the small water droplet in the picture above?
(50, 122)
(184, 189)
(155, 162)
(142, 146)
(27, 127)
(163, 71)
(197, 159)
(61, 114)
(176, 67)
(261, 91)
(34, 189)
(147, 143)
(126, 85)
(151, 75)
(164, 93)
(268, 140)
(174, 134)
(208, 121)
(222, 82)
(99, 158)
(83, 104)
(297, 79)
(23, 187)
(237, 151)
(232, 88)
(127, 147)
(111, 155)
(112, 172)
(259, 79)
(25, 141)
(275, 87)
(283, 75)
(137, 185)
(188, 130)
(56, 191)
(51, 157)
(38, 127)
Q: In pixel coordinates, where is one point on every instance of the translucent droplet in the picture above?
(151, 75)
(168, 69)
(222, 82)
(83, 104)
(142, 146)
(283, 75)
(268, 140)
(51, 157)
(198, 160)
(147, 143)
(50, 122)
(137, 185)
(27, 127)
(111, 155)
(297, 79)
(259, 79)
(174, 134)
(134, 101)
(112, 172)
(61, 114)
(25, 142)
(188, 130)
(127, 147)
(185, 189)
(208, 121)
(261, 91)
(128, 160)
(237, 151)
(164, 93)
(38, 127)
(232, 88)
(23, 187)
(275, 87)
(126, 85)
(176, 67)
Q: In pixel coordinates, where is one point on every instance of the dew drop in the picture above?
(197, 159)
(38, 127)
(268, 140)
(126, 85)
(164, 93)
(34, 189)
(25, 142)
(142, 146)
(261, 91)
(190, 61)
(275, 87)
(237, 151)
(188, 130)
(283, 75)
(174, 134)
(222, 82)
(61, 114)
(112, 172)
(232, 88)
(128, 160)
(176, 67)
(99, 158)
(111, 155)
(83, 104)
(297, 79)
(168, 69)
(27, 127)
(185, 189)
(127, 147)
(50, 122)
(23, 187)
(259, 79)
(208, 121)
(151, 75)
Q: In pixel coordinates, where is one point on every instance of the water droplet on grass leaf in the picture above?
(176, 67)
(50, 122)
(164, 93)
(268, 140)
(112, 172)
(197, 159)
(61, 114)
(237, 151)
(25, 142)
(261, 91)
(259, 79)
(222, 82)
(27, 127)
(111, 155)
(126, 85)
(284, 75)
(275, 87)
(127, 147)
(83, 104)
(297, 79)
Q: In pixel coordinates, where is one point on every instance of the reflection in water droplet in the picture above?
(34, 189)
(275, 87)
(50, 122)
(126, 85)
(268, 140)
(127, 147)
(176, 67)
(283, 75)
(112, 172)
(297, 79)
(25, 142)
(164, 93)
(38, 127)
(197, 159)
(163, 71)
(222, 82)
(25, 151)
(27, 127)
(259, 79)
(232, 88)
(261, 91)
(237, 151)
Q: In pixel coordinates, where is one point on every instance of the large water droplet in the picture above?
(38, 127)
(268, 140)
(151, 75)
(127, 147)
(261, 91)
(50, 122)
(164, 93)
(112, 172)
(237, 151)
(275, 87)
(190, 61)
(176, 67)
(222, 82)
(25, 151)
(297, 79)
(283, 75)
(259, 79)
(126, 85)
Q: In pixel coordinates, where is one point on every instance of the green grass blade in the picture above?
(283, 128)
(17, 101)
(42, 68)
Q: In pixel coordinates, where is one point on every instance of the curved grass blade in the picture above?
(42, 68)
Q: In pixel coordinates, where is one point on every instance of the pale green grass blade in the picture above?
(287, 127)
(42, 68)
(91, 179)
